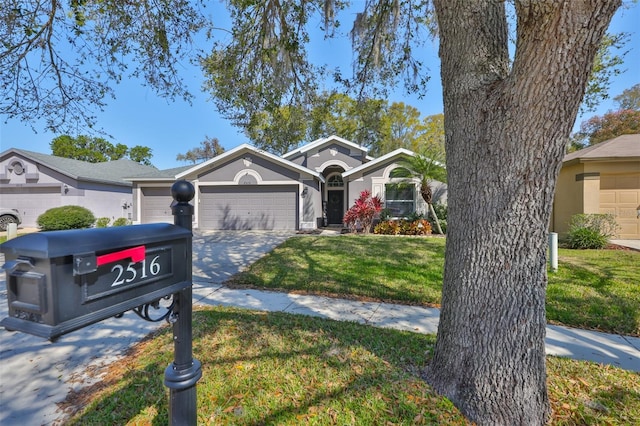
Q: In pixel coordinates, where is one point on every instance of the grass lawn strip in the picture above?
(277, 368)
(593, 289)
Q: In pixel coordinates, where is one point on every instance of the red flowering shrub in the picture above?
(361, 214)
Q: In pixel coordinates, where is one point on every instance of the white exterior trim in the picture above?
(378, 186)
(245, 172)
(330, 163)
(262, 182)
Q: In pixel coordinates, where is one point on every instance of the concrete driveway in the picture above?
(36, 374)
(219, 255)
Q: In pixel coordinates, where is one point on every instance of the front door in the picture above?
(335, 207)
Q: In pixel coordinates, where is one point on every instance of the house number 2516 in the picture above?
(130, 274)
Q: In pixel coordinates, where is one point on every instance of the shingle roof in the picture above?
(111, 172)
(624, 146)
(166, 174)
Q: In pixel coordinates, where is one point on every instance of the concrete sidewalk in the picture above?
(632, 244)
(613, 349)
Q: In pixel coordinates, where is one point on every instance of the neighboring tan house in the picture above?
(33, 183)
(309, 187)
(603, 178)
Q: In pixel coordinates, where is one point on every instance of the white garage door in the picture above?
(31, 201)
(620, 196)
(243, 207)
(156, 205)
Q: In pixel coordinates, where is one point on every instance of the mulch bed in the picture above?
(617, 247)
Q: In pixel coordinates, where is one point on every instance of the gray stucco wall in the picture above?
(269, 171)
(342, 153)
(312, 203)
(41, 188)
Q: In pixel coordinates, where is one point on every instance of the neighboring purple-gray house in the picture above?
(33, 183)
(248, 188)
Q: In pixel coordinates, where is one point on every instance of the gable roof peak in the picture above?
(398, 153)
(248, 148)
(319, 143)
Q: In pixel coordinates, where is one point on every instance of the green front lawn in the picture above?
(276, 368)
(595, 289)
(363, 267)
(281, 369)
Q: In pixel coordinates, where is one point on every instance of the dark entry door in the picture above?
(335, 207)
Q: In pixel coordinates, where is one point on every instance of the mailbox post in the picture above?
(182, 375)
(61, 281)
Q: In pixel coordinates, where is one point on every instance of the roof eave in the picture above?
(256, 151)
(396, 153)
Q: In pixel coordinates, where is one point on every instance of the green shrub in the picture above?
(102, 222)
(412, 217)
(121, 221)
(442, 222)
(385, 214)
(591, 231)
(441, 212)
(65, 217)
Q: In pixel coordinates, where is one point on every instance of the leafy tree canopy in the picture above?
(606, 66)
(97, 150)
(339, 114)
(62, 58)
(209, 148)
(375, 124)
(629, 98)
(601, 128)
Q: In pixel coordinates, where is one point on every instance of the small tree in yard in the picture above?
(362, 212)
(426, 168)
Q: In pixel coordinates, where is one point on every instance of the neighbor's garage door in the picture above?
(31, 201)
(620, 196)
(156, 205)
(248, 207)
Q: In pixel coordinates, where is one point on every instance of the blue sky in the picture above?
(139, 117)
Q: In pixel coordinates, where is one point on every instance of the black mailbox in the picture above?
(61, 281)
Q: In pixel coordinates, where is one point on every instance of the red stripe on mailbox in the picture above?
(135, 253)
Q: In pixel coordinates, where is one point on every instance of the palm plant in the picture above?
(427, 168)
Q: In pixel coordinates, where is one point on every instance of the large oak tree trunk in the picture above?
(506, 128)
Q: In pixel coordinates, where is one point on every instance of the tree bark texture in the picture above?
(506, 127)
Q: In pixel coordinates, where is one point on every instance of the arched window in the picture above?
(335, 181)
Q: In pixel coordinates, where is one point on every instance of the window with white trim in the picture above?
(400, 199)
